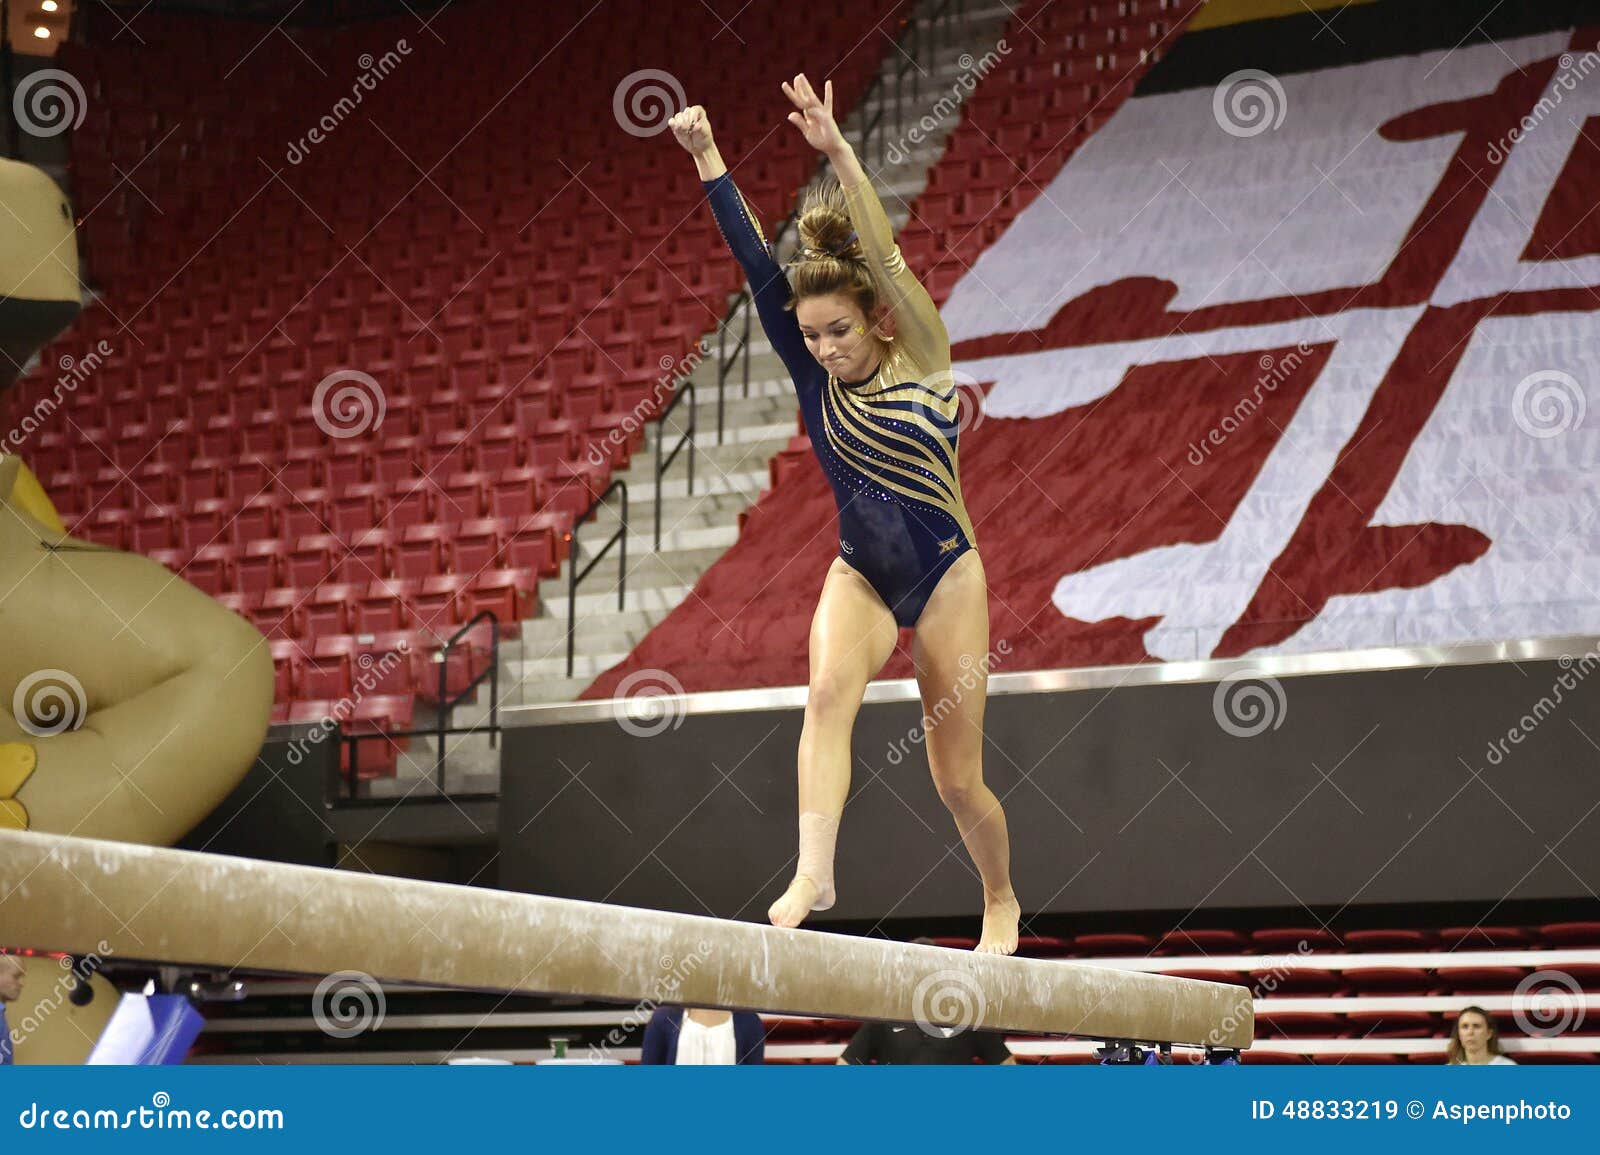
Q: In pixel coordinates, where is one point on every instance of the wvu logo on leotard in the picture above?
(846, 546)
(950, 543)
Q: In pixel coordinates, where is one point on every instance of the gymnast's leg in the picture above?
(852, 635)
(950, 653)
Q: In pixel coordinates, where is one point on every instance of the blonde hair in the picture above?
(831, 260)
(1456, 1053)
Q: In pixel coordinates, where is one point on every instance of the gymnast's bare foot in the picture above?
(1000, 917)
(799, 900)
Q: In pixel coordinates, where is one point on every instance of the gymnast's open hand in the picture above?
(814, 117)
(692, 127)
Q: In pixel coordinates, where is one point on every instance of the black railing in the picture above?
(931, 33)
(723, 361)
(574, 575)
(685, 389)
(446, 704)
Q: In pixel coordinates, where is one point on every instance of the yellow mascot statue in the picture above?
(130, 702)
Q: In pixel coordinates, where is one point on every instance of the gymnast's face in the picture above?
(839, 336)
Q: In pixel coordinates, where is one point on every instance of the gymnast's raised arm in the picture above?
(768, 285)
(918, 325)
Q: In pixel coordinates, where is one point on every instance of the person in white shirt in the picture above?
(1475, 1041)
(701, 1036)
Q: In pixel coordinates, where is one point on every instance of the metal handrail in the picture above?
(445, 704)
(574, 576)
(685, 388)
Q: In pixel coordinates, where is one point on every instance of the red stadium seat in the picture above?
(384, 606)
(1195, 941)
(211, 569)
(1378, 980)
(537, 542)
(1479, 980)
(320, 677)
(314, 560)
(1291, 980)
(260, 567)
(1379, 940)
(1393, 1024)
(329, 609)
(1571, 934)
(1296, 1025)
(1113, 944)
(423, 551)
(475, 545)
(1486, 938)
(1294, 940)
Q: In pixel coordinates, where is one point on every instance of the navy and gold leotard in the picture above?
(886, 444)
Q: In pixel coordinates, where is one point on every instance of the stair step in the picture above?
(734, 455)
(644, 570)
(539, 634)
(591, 604)
(584, 665)
(673, 540)
(642, 488)
(539, 691)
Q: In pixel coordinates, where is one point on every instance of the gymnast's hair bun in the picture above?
(825, 229)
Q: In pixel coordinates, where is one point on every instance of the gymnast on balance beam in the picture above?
(870, 360)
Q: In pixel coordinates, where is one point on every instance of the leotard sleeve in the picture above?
(767, 283)
(918, 325)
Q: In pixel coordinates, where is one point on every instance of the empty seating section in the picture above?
(1332, 996)
(1066, 68)
(358, 388)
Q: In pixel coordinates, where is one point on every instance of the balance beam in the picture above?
(172, 906)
